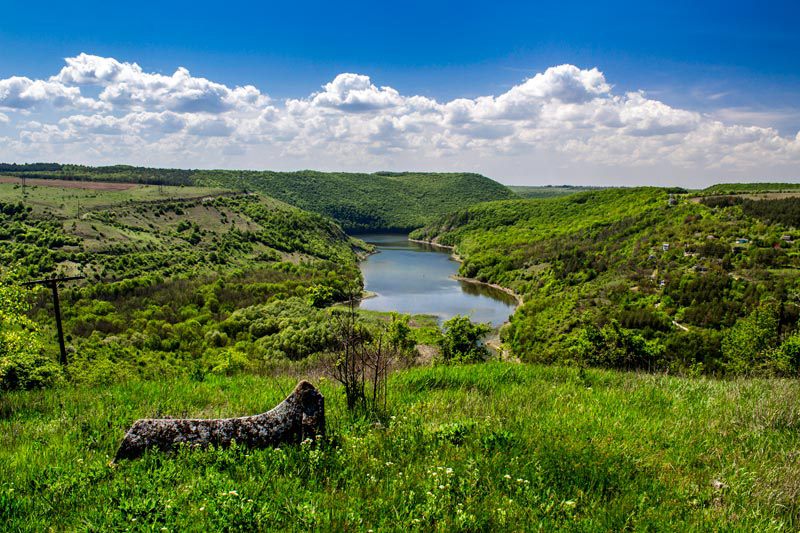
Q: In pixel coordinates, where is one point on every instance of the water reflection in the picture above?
(415, 278)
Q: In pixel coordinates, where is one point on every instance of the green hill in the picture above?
(174, 278)
(751, 188)
(622, 278)
(148, 230)
(381, 201)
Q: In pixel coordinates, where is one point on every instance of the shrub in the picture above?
(461, 340)
(749, 346)
(23, 364)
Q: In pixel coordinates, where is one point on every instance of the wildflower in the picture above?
(389, 463)
(202, 508)
(507, 476)
(519, 480)
(441, 487)
(449, 471)
(233, 493)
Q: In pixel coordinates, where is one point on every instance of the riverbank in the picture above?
(456, 257)
(517, 297)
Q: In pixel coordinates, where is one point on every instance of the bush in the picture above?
(22, 362)
(460, 342)
(749, 346)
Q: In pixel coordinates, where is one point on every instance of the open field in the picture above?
(549, 191)
(69, 184)
(749, 196)
(494, 447)
(75, 197)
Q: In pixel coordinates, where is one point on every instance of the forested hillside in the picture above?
(640, 278)
(380, 201)
(177, 279)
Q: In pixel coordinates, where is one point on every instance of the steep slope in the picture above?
(623, 277)
(179, 280)
(146, 230)
(383, 201)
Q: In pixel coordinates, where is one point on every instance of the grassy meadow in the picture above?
(493, 447)
(80, 197)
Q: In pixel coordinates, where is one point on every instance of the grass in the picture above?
(549, 191)
(496, 447)
(70, 201)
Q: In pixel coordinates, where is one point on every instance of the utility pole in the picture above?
(53, 284)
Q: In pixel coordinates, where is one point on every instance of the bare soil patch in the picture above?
(94, 185)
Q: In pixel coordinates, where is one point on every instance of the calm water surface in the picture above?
(413, 278)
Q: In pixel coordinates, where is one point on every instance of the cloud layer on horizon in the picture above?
(564, 120)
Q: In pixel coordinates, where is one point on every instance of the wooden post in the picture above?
(53, 284)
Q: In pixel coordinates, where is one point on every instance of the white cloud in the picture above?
(565, 121)
(126, 85)
(4, 119)
(18, 93)
(355, 93)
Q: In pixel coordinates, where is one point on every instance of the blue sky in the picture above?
(732, 63)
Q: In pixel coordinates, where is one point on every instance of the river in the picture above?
(415, 278)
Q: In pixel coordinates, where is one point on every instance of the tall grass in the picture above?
(494, 447)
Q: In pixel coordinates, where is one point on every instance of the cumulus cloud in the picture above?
(126, 85)
(24, 93)
(565, 117)
(355, 93)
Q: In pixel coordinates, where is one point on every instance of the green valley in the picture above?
(646, 382)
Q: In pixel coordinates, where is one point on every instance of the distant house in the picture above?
(672, 200)
(787, 238)
(742, 240)
(665, 246)
(710, 237)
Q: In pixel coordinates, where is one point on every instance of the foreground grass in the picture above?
(496, 447)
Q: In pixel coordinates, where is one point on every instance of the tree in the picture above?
(23, 364)
(320, 295)
(399, 333)
(752, 344)
(461, 340)
(361, 361)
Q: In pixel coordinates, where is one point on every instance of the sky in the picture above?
(604, 93)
